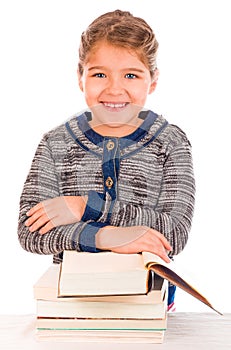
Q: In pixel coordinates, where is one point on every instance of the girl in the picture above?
(116, 177)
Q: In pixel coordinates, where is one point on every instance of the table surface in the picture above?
(184, 331)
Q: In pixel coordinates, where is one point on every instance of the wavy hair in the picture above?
(120, 28)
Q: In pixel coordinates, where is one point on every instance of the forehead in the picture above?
(113, 54)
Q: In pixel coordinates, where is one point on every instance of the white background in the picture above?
(38, 90)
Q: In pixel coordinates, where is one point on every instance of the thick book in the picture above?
(92, 309)
(109, 273)
(102, 336)
(150, 305)
(47, 286)
(101, 324)
(103, 273)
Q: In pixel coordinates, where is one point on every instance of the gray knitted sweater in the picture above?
(145, 178)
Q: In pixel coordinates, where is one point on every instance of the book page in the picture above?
(84, 262)
(175, 279)
(166, 270)
(153, 258)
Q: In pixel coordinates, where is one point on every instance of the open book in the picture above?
(108, 273)
(104, 273)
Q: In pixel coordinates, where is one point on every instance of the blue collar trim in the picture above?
(148, 116)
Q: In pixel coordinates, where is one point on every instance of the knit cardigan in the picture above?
(145, 179)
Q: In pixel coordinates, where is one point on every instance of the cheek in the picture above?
(91, 94)
(141, 93)
(90, 89)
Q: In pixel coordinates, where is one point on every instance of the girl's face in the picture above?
(115, 83)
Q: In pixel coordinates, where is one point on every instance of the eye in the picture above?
(130, 76)
(99, 75)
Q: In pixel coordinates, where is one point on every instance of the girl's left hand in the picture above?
(133, 239)
(55, 212)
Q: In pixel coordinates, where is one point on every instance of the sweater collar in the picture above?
(148, 117)
(81, 132)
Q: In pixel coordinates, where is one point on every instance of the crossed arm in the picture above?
(49, 226)
(64, 210)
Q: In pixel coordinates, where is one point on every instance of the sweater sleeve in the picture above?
(41, 184)
(172, 216)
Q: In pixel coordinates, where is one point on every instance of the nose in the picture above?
(115, 86)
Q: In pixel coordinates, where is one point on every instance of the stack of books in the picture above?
(101, 297)
(106, 297)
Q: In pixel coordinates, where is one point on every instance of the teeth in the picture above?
(114, 105)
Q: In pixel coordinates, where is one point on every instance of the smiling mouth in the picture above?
(113, 105)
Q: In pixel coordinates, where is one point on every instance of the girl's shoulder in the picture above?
(60, 132)
(172, 134)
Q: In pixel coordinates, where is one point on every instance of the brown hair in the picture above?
(122, 29)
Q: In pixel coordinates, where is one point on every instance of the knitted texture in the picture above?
(154, 183)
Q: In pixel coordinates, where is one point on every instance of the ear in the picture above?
(154, 81)
(80, 81)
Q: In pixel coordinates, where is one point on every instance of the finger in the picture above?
(167, 245)
(163, 239)
(159, 235)
(49, 225)
(39, 223)
(34, 217)
(163, 255)
(34, 209)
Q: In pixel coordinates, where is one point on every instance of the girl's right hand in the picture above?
(55, 212)
(133, 239)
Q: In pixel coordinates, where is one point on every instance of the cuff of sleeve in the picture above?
(94, 207)
(87, 237)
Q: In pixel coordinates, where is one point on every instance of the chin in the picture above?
(115, 117)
